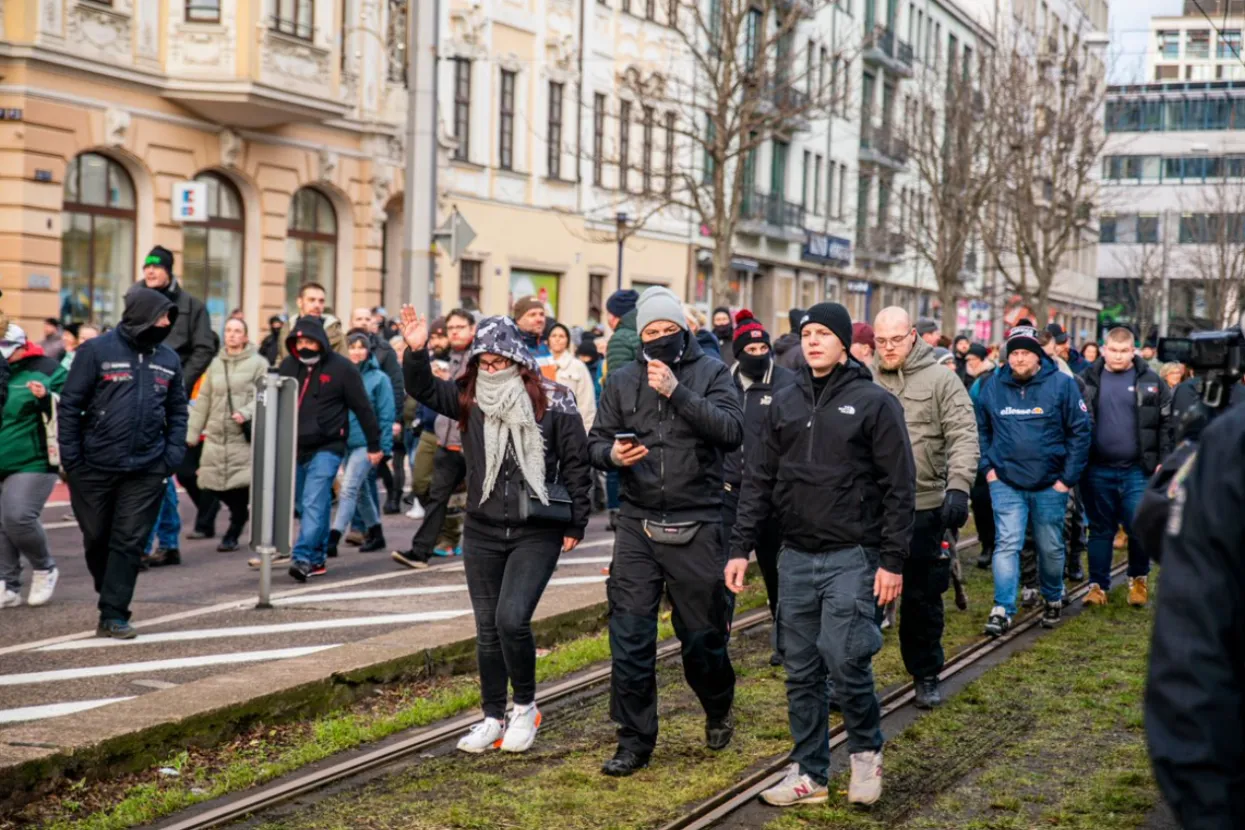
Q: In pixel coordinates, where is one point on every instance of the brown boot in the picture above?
(1096, 595)
(1138, 591)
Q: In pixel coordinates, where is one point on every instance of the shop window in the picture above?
(202, 11)
(97, 240)
(596, 295)
(212, 251)
(295, 18)
(469, 284)
(310, 245)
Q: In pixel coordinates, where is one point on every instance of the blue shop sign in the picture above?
(826, 249)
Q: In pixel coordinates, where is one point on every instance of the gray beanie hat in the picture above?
(659, 303)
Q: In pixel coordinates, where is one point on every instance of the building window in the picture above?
(310, 245)
(1106, 228)
(804, 179)
(647, 150)
(672, 13)
(469, 284)
(1229, 45)
(830, 191)
(810, 51)
(212, 251)
(505, 138)
(1198, 44)
(753, 33)
(650, 9)
(554, 130)
(1169, 43)
(1148, 229)
(295, 18)
(97, 240)
(202, 11)
(624, 143)
(670, 124)
(462, 108)
(817, 186)
(598, 139)
(625, 5)
(596, 294)
(842, 188)
(778, 170)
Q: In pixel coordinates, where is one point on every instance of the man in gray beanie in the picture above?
(684, 409)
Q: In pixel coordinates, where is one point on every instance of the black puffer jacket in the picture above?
(835, 473)
(788, 353)
(566, 455)
(757, 400)
(1156, 426)
(687, 436)
(191, 336)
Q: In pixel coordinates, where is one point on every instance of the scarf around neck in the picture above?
(509, 421)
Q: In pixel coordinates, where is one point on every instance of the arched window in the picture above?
(212, 251)
(310, 245)
(97, 240)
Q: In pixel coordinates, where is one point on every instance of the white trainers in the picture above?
(795, 788)
(10, 598)
(521, 729)
(866, 785)
(484, 736)
(42, 584)
(416, 511)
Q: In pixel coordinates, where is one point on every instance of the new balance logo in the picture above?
(802, 790)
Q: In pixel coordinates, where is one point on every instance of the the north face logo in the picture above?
(848, 410)
(767, 400)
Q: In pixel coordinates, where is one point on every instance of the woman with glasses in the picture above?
(528, 486)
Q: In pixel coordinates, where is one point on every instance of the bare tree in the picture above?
(1213, 226)
(1139, 295)
(1049, 107)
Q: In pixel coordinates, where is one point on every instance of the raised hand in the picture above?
(414, 328)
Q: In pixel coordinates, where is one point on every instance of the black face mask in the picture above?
(308, 355)
(152, 336)
(753, 366)
(724, 332)
(667, 349)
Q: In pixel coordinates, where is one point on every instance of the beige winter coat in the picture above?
(226, 462)
(573, 374)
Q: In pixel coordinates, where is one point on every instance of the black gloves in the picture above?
(955, 509)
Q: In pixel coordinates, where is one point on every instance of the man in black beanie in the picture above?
(834, 467)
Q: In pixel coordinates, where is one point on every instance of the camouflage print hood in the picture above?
(501, 336)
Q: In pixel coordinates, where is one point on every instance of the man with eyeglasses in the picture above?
(449, 469)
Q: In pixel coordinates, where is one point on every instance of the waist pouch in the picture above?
(671, 533)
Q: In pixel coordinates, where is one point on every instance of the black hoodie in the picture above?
(328, 390)
(191, 336)
(123, 408)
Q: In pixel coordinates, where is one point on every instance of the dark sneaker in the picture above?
(164, 556)
(335, 537)
(927, 695)
(375, 540)
(116, 629)
(1051, 614)
(624, 763)
(998, 622)
(985, 558)
(301, 570)
(227, 545)
(775, 659)
(410, 558)
(718, 733)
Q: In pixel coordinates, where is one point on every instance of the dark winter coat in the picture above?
(787, 351)
(709, 344)
(757, 400)
(624, 344)
(687, 435)
(123, 408)
(1153, 400)
(387, 361)
(191, 336)
(835, 473)
(1077, 362)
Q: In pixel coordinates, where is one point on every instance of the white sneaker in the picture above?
(42, 584)
(866, 785)
(10, 599)
(794, 789)
(521, 729)
(484, 736)
(416, 511)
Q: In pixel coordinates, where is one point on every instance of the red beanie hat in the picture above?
(748, 330)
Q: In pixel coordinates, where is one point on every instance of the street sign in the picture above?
(456, 234)
(274, 447)
(190, 202)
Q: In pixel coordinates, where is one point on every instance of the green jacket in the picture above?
(226, 460)
(23, 431)
(624, 345)
(941, 424)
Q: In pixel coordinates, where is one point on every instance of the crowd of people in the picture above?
(846, 456)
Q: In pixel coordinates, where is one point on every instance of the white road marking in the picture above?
(155, 684)
(388, 593)
(58, 525)
(55, 710)
(258, 630)
(159, 665)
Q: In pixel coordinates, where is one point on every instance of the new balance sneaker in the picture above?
(410, 558)
(866, 784)
(278, 560)
(998, 622)
(116, 629)
(417, 510)
(484, 736)
(42, 584)
(1029, 597)
(1051, 614)
(1138, 591)
(1096, 595)
(795, 788)
(10, 598)
(521, 729)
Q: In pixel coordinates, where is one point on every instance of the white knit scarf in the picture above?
(509, 419)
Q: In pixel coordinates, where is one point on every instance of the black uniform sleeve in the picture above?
(176, 416)
(441, 396)
(895, 473)
(75, 399)
(203, 345)
(572, 447)
(718, 416)
(1195, 694)
(608, 423)
(1167, 422)
(757, 496)
(360, 404)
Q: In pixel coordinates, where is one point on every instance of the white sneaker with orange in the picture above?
(484, 736)
(521, 729)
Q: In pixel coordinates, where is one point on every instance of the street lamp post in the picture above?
(621, 219)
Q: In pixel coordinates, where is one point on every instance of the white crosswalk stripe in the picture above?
(55, 710)
(159, 665)
(426, 590)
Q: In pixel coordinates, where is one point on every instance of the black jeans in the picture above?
(692, 575)
(448, 471)
(238, 501)
(505, 579)
(983, 512)
(926, 577)
(116, 512)
(206, 503)
(768, 546)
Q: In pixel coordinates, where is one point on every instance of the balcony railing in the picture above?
(881, 46)
(879, 244)
(772, 210)
(878, 144)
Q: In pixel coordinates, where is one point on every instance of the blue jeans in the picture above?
(168, 528)
(1111, 497)
(313, 489)
(355, 492)
(361, 521)
(1013, 509)
(828, 623)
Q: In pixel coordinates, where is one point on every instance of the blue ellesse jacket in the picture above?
(1033, 434)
